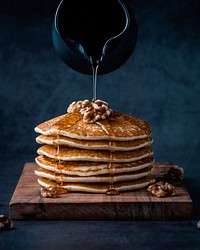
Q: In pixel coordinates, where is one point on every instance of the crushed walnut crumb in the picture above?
(162, 189)
(91, 111)
(5, 223)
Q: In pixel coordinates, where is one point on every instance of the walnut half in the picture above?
(175, 173)
(49, 192)
(53, 192)
(162, 189)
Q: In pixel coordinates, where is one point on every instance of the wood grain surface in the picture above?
(27, 203)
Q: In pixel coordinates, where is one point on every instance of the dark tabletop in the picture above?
(159, 83)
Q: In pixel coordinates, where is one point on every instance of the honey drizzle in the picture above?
(58, 167)
(111, 190)
(104, 129)
(112, 171)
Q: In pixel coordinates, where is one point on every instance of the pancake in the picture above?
(94, 145)
(97, 187)
(103, 178)
(94, 149)
(85, 168)
(74, 154)
(117, 127)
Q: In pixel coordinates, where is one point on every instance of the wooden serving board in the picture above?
(27, 203)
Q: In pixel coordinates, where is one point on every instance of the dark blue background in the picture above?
(159, 83)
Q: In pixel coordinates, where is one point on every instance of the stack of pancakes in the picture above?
(107, 156)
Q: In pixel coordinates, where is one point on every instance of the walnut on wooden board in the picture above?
(162, 189)
(175, 173)
(91, 111)
(53, 192)
(49, 192)
(5, 222)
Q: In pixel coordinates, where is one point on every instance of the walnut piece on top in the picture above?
(91, 111)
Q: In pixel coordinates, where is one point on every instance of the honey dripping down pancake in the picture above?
(94, 149)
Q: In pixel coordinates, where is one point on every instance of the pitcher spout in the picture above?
(87, 31)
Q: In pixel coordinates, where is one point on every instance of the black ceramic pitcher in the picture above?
(89, 32)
